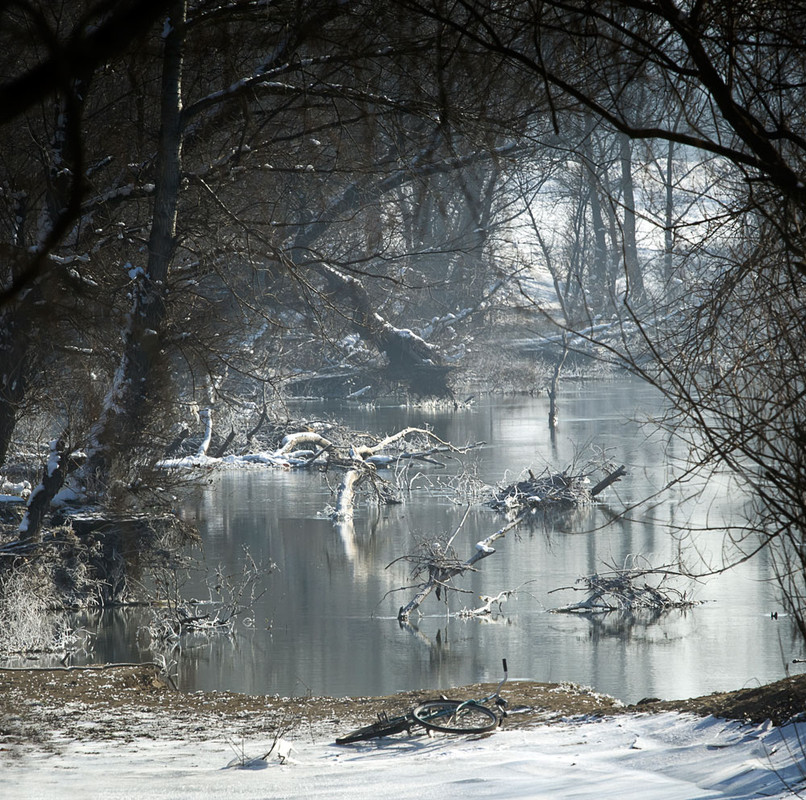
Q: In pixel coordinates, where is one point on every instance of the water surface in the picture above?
(327, 623)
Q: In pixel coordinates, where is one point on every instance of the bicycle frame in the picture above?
(445, 716)
(495, 696)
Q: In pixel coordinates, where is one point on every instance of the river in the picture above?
(327, 622)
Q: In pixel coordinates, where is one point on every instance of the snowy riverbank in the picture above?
(119, 731)
(655, 756)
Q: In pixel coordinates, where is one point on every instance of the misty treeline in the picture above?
(201, 200)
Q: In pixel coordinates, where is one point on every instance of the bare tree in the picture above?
(728, 79)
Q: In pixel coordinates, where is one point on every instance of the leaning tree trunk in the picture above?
(122, 417)
(411, 358)
(53, 476)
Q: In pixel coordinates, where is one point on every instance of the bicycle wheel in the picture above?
(455, 716)
(383, 727)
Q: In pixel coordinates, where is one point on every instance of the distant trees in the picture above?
(721, 83)
(197, 193)
(243, 169)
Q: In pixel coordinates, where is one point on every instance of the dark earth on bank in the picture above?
(41, 708)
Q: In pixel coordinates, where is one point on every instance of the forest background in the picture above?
(208, 206)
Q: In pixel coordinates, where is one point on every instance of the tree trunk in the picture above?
(30, 529)
(14, 347)
(122, 417)
(614, 476)
(601, 261)
(635, 280)
(601, 267)
(346, 494)
(207, 416)
(554, 414)
(668, 230)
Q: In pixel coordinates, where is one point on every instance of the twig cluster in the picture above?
(28, 623)
(626, 590)
(558, 490)
(435, 563)
(230, 598)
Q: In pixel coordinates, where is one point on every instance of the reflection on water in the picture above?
(327, 624)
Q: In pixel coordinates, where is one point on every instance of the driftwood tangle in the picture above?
(559, 490)
(627, 591)
(439, 575)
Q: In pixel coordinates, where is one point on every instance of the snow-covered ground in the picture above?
(647, 757)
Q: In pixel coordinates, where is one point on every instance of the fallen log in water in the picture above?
(345, 497)
(559, 490)
(364, 461)
(442, 567)
(627, 590)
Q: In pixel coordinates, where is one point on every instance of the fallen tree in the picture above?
(560, 490)
(627, 590)
(437, 564)
(405, 445)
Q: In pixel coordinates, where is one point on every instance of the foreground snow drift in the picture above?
(651, 757)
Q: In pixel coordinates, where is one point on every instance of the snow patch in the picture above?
(631, 757)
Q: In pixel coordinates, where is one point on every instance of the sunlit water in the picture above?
(327, 623)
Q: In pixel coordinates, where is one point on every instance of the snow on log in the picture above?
(345, 497)
(54, 473)
(560, 490)
(207, 416)
(488, 602)
(295, 441)
(441, 569)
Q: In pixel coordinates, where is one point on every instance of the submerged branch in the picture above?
(558, 490)
(487, 604)
(346, 495)
(441, 574)
(365, 461)
(626, 590)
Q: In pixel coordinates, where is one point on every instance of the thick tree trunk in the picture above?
(122, 417)
(601, 260)
(410, 356)
(30, 529)
(614, 476)
(14, 347)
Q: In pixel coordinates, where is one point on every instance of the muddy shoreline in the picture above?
(41, 708)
